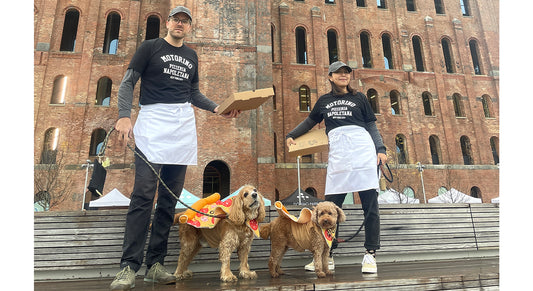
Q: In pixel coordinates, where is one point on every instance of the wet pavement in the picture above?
(471, 274)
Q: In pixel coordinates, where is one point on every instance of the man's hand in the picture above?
(382, 158)
(232, 114)
(125, 130)
(290, 141)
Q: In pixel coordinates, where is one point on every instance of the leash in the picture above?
(380, 167)
(102, 151)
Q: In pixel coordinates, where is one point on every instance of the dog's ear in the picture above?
(314, 215)
(236, 213)
(261, 211)
(341, 217)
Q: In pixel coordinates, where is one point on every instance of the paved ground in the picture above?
(471, 274)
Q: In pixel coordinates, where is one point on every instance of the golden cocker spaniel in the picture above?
(232, 233)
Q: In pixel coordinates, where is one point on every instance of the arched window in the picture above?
(97, 141)
(442, 190)
(487, 106)
(466, 149)
(274, 106)
(465, 7)
(448, 56)
(59, 90)
(373, 99)
(387, 51)
(103, 91)
(275, 148)
(495, 148)
(418, 51)
(428, 104)
(458, 107)
(434, 148)
(401, 149)
(395, 102)
(361, 3)
(153, 24)
(307, 158)
(475, 192)
(112, 29)
(439, 7)
(304, 95)
(365, 49)
(51, 141)
(410, 4)
(311, 191)
(333, 50)
(70, 30)
(409, 192)
(216, 179)
(301, 46)
(382, 4)
(474, 53)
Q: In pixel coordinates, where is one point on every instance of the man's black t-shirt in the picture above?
(167, 72)
(339, 110)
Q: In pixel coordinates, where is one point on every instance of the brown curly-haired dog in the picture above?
(229, 234)
(285, 233)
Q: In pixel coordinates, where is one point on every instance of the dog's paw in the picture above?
(320, 274)
(185, 275)
(229, 278)
(248, 275)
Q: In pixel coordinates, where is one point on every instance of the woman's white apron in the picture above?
(352, 161)
(166, 133)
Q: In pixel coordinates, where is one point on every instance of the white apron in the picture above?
(166, 133)
(352, 161)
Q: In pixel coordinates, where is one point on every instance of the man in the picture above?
(165, 135)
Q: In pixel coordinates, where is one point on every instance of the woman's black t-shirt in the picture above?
(167, 72)
(340, 110)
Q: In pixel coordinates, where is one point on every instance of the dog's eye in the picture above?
(245, 194)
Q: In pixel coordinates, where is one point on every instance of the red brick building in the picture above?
(429, 68)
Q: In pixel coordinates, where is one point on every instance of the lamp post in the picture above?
(299, 193)
(87, 166)
(420, 168)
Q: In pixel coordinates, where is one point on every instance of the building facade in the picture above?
(429, 69)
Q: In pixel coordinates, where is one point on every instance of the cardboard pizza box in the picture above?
(314, 141)
(246, 100)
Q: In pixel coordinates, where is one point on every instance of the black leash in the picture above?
(380, 166)
(102, 151)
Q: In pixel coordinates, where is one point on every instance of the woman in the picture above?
(355, 151)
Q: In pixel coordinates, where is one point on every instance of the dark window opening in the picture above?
(466, 149)
(51, 140)
(395, 102)
(216, 179)
(333, 50)
(419, 57)
(301, 47)
(112, 29)
(465, 7)
(153, 25)
(426, 101)
(439, 7)
(382, 4)
(103, 91)
(458, 105)
(486, 101)
(495, 147)
(372, 96)
(272, 41)
(361, 3)
(387, 51)
(448, 58)
(410, 5)
(97, 141)
(474, 52)
(401, 149)
(434, 147)
(475, 192)
(70, 29)
(365, 50)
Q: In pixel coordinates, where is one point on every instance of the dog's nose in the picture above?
(254, 195)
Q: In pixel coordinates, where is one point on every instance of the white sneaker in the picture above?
(369, 264)
(311, 266)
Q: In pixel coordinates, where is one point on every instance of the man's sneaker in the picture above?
(369, 264)
(158, 274)
(311, 266)
(124, 280)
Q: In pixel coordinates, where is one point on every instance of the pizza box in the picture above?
(313, 141)
(246, 100)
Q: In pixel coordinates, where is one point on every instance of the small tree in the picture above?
(52, 183)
